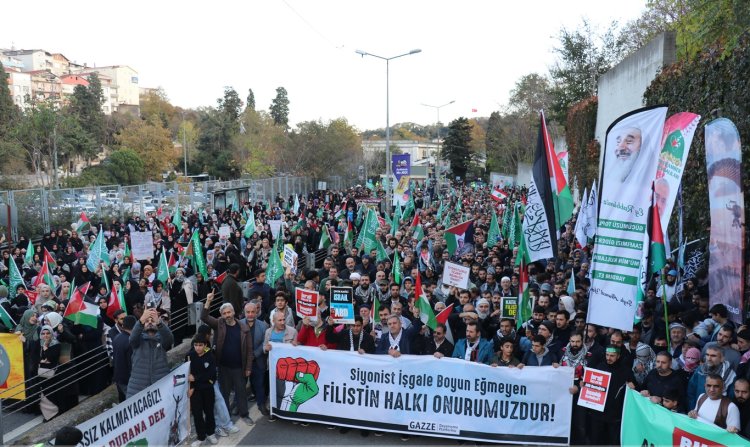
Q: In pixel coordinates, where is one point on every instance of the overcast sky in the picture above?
(472, 51)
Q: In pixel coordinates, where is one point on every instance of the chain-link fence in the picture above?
(40, 211)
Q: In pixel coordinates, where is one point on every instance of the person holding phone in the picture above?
(150, 340)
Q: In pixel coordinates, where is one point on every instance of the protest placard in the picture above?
(307, 303)
(274, 226)
(456, 275)
(509, 307)
(224, 232)
(594, 388)
(142, 243)
(342, 305)
(290, 258)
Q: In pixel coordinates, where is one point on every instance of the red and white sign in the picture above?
(456, 275)
(594, 389)
(307, 303)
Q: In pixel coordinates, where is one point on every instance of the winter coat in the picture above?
(149, 358)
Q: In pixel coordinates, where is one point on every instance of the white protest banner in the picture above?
(631, 156)
(157, 415)
(456, 275)
(290, 258)
(274, 225)
(447, 398)
(142, 243)
(594, 389)
(342, 305)
(224, 232)
(307, 303)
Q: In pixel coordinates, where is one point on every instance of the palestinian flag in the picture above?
(83, 223)
(442, 317)
(116, 301)
(382, 222)
(220, 279)
(301, 223)
(44, 277)
(6, 319)
(325, 238)
(418, 234)
(562, 199)
(498, 195)
(493, 236)
(349, 235)
(81, 312)
(415, 222)
(425, 309)
(456, 236)
(49, 259)
(657, 257)
(172, 264)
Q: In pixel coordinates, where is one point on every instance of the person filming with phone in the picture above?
(150, 340)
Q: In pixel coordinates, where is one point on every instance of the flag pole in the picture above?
(666, 320)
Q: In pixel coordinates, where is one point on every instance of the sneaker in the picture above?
(405, 437)
(196, 443)
(233, 430)
(221, 433)
(248, 420)
(212, 439)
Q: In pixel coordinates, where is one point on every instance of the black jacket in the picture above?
(203, 369)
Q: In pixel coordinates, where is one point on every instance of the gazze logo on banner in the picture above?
(631, 154)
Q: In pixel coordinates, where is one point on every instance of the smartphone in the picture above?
(151, 305)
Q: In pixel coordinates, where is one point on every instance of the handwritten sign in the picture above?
(142, 243)
(224, 232)
(456, 275)
(290, 258)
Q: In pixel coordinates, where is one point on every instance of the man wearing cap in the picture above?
(677, 334)
(367, 268)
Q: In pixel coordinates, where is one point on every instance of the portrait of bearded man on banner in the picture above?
(626, 151)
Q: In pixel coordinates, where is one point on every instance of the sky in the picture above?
(473, 51)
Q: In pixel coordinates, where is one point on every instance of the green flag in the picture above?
(177, 217)
(275, 268)
(409, 208)
(97, 252)
(15, 278)
(199, 262)
(396, 269)
(7, 319)
(382, 254)
(162, 270)
(507, 216)
(325, 238)
(447, 220)
(396, 220)
(440, 212)
(572, 283)
(418, 233)
(104, 278)
(367, 235)
(525, 303)
(250, 224)
(376, 310)
(360, 214)
(493, 236)
(28, 259)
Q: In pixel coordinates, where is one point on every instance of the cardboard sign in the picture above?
(224, 232)
(307, 303)
(456, 275)
(342, 305)
(290, 258)
(142, 244)
(509, 307)
(594, 389)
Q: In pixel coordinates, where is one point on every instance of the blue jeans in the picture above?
(221, 413)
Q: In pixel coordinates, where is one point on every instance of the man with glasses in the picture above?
(438, 345)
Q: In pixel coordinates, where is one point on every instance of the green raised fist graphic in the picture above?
(306, 389)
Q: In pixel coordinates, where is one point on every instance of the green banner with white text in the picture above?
(645, 423)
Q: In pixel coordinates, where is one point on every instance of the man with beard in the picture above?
(439, 346)
(506, 331)
(714, 364)
(626, 151)
(715, 408)
(575, 355)
(742, 400)
(506, 288)
(485, 322)
(663, 378)
(669, 288)
(257, 330)
(724, 339)
(365, 294)
(353, 338)
(473, 348)
(595, 350)
(605, 426)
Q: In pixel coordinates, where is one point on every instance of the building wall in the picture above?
(621, 89)
(418, 150)
(20, 87)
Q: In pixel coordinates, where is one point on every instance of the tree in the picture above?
(531, 94)
(8, 110)
(156, 108)
(584, 55)
(126, 167)
(86, 105)
(153, 143)
(280, 108)
(319, 148)
(250, 103)
(260, 146)
(230, 105)
(456, 146)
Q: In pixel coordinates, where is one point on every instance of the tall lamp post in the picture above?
(388, 175)
(439, 154)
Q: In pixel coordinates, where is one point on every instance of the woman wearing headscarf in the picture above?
(49, 359)
(90, 354)
(28, 332)
(134, 298)
(182, 295)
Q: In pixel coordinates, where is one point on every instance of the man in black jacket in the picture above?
(353, 338)
(121, 357)
(439, 346)
(231, 292)
(605, 426)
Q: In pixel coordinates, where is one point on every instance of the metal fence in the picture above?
(40, 210)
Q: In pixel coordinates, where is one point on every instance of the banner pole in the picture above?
(666, 320)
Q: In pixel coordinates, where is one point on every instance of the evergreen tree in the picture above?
(8, 110)
(250, 103)
(86, 105)
(456, 146)
(280, 108)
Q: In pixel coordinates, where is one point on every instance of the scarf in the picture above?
(395, 341)
(570, 359)
(28, 330)
(471, 355)
(644, 356)
(53, 341)
(351, 341)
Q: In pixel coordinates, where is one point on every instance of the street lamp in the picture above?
(437, 159)
(388, 174)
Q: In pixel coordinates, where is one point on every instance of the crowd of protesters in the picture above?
(695, 362)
